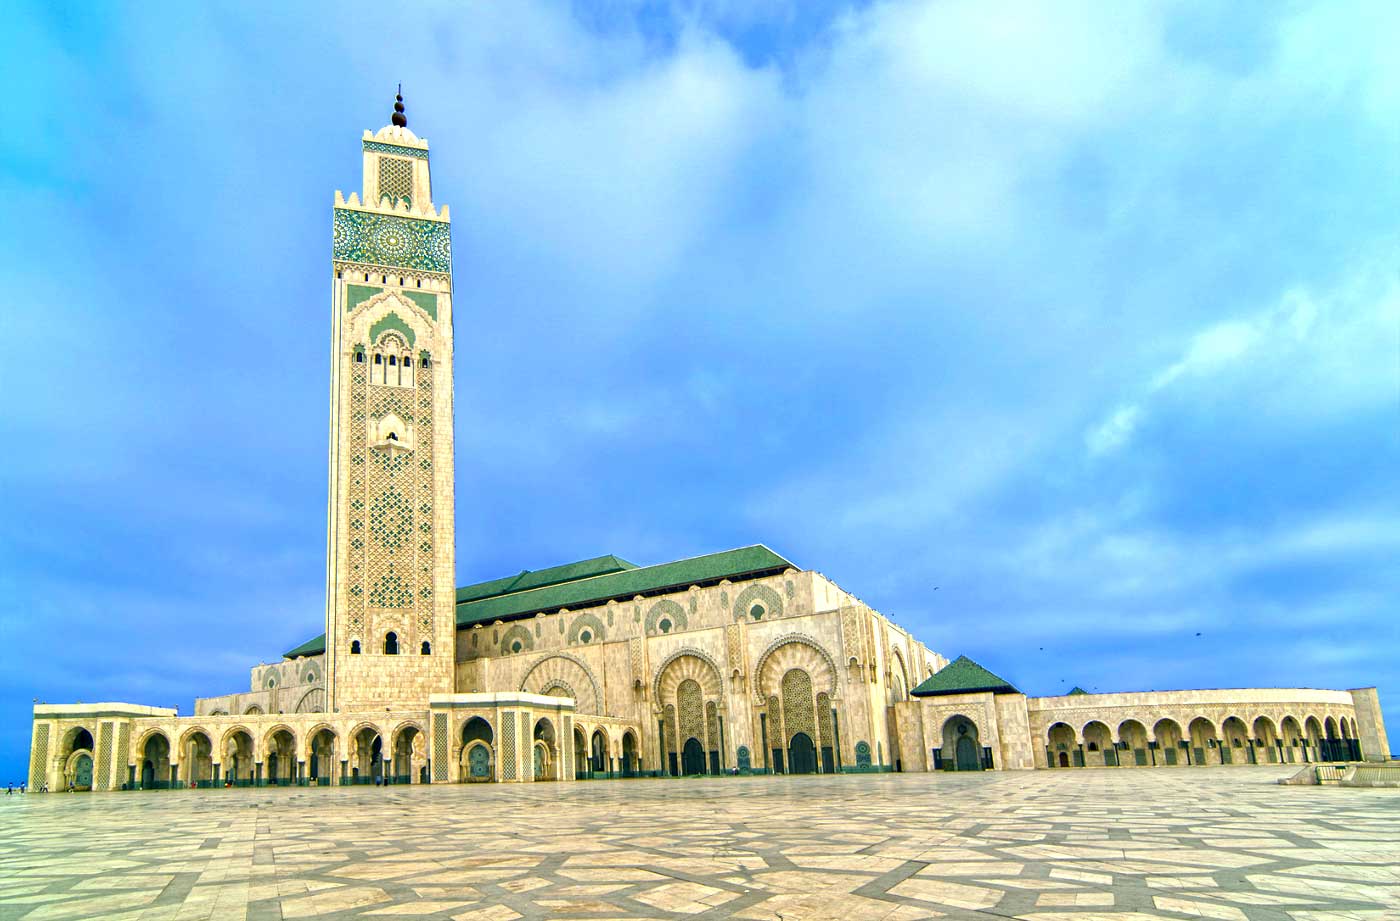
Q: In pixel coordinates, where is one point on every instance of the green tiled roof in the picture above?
(1076, 691)
(309, 648)
(591, 582)
(962, 676)
(570, 572)
(746, 561)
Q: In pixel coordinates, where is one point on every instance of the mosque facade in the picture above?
(736, 662)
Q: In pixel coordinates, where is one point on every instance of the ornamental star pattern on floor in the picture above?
(1095, 844)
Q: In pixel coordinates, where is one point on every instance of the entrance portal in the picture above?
(803, 757)
(82, 775)
(967, 755)
(692, 758)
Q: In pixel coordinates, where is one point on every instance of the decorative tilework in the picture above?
(123, 747)
(586, 628)
(690, 711)
(102, 771)
(798, 715)
(824, 725)
(758, 602)
(39, 757)
(390, 240)
(508, 724)
(711, 726)
(440, 741)
(391, 321)
(396, 179)
(381, 147)
(517, 639)
(666, 616)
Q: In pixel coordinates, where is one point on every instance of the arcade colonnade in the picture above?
(986, 730)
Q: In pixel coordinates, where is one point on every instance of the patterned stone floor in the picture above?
(1220, 843)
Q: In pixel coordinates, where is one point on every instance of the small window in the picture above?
(1093, 746)
(665, 625)
(393, 360)
(756, 612)
(378, 359)
(359, 358)
(515, 647)
(354, 647)
(427, 648)
(391, 644)
(393, 437)
(586, 636)
(426, 362)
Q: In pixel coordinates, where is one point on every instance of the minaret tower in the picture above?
(390, 593)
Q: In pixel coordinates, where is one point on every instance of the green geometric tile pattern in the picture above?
(380, 147)
(389, 240)
(392, 321)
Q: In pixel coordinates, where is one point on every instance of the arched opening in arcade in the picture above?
(1133, 747)
(320, 762)
(599, 761)
(1235, 745)
(581, 754)
(962, 746)
(1170, 744)
(544, 751)
(408, 748)
(1292, 737)
(153, 759)
(630, 767)
(1062, 747)
(280, 758)
(1203, 749)
(1331, 742)
(1312, 735)
(477, 761)
(74, 759)
(196, 759)
(367, 756)
(238, 758)
(1099, 750)
(1268, 747)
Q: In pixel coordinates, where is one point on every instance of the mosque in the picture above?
(736, 662)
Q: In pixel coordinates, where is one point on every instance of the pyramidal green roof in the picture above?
(962, 676)
(1076, 691)
(591, 582)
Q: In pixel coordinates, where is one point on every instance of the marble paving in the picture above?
(1096, 844)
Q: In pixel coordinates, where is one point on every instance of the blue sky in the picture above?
(1085, 314)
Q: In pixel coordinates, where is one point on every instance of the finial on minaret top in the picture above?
(398, 118)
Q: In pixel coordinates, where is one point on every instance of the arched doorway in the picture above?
(279, 764)
(1098, 745)
(476, 751)
(155, 762)
(1292, 734)
(197, 757)
(1167, 732)
(1063, 748)
(598, 762)
(962, 746)
(1202, 732)
(76, 742)
(367, 757)
(580, 754)
(545, 752)
(238, 758)
(1267, 741)
(802, 754)
(692, 758)
(321, 763)
(1235, 747)
(629, 754)
(1134, 737)
(408, 739)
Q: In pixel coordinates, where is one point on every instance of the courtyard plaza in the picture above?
(1211, 842)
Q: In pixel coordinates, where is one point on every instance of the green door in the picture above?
(539, 762)
(83, 780)
(803, 756)
(479, 763)
(967, 755)
(692, 758)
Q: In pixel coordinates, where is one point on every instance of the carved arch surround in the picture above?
(667, 679)
(794, 650)
(567, 671)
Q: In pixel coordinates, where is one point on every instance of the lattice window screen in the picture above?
(692, 716)
(508, 724)
(798, 714)
(440, 741)
(104, 757)
(39, 758)
(396, 179)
